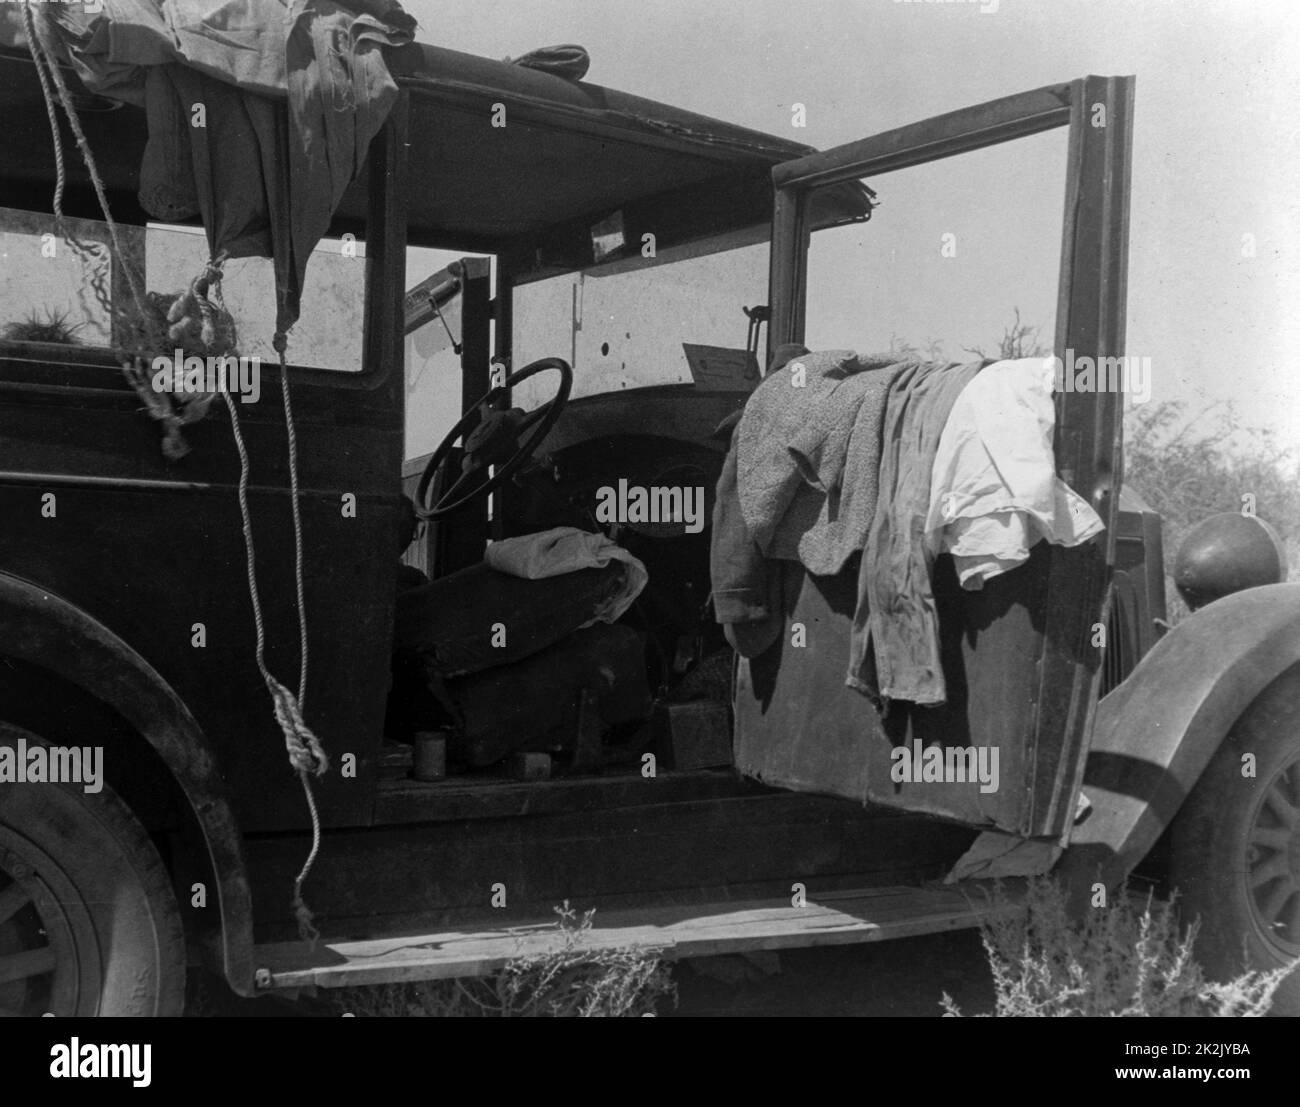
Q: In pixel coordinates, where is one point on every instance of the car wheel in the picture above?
(1235, 855)
(88, 920)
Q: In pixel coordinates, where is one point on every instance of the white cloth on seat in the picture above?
(994, 491)
(550, 553)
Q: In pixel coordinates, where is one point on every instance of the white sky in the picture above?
(1214, 152)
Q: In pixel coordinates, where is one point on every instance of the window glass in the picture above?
(53, 290)
(329, 329)
(433, 378)
(60, 289)
(631, 326)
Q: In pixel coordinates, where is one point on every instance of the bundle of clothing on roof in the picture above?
(837, 454)
(260, 112)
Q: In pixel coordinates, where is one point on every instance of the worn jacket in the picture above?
(894, 647)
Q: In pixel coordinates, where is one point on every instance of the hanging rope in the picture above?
(306, 754)
(42, 52)
(84, 253)
(158, 406)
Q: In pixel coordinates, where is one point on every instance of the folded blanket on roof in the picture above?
(290, 97)
(807, 452)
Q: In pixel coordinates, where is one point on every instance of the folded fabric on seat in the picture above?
(479, 618)
(550, 553)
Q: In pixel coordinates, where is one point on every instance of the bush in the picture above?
(1189, 468)
(1123, 960)
(52, 327)
(570, 982)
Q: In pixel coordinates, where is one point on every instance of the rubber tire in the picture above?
(128, 951)
(1209, 841)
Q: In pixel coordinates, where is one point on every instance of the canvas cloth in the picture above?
(291, 93)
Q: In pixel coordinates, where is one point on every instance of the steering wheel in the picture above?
(494, 440)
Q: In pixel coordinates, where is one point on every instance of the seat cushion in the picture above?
(479, 618)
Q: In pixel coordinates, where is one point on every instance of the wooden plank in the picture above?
(385, 252)
(402, 800)
(787, 270)
(942, 136)
(841, 918)
(744, 848)
(1090, 322)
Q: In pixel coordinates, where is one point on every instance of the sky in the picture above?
(1214, 275)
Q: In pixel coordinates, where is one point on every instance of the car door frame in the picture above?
(1091, 304)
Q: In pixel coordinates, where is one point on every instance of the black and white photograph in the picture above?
(584, 508)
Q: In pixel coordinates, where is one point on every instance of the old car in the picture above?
(701, 803)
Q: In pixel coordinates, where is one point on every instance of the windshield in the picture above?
(676, 319)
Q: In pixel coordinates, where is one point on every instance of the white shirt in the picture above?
(994, 491)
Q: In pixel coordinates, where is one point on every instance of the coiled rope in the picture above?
(306, 754)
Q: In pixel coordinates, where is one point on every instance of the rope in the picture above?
(279, 343)
(79, 248)
(305, 752)
(300, 909)
(38, 58)
(37, 44)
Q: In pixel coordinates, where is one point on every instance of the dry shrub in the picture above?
(1128, 959)
(52, 327)
(573, 981)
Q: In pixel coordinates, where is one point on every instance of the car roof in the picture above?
(570, 155)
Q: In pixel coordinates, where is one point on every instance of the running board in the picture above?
(699, 930)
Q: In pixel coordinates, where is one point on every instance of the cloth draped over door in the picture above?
(894, 647)
(799, 483)
(260, 112)
(807, 455)
(994, 489)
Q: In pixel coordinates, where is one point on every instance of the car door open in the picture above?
(1023, 655)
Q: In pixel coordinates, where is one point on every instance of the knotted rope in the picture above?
(133, 363)
(306, 754)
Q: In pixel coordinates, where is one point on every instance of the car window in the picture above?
(59, 288)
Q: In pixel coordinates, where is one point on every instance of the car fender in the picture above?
(1157, 731)
(48, 631)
